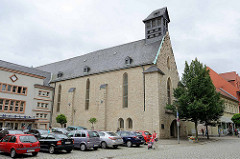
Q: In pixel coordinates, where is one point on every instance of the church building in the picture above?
(126, 86)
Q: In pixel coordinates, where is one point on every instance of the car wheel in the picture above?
(68, 151)
(115, 146)
(95, 148)
(83, 147)
(13, 153)
(129, 144)
(34, 153)
(104, 145)
(51, 149)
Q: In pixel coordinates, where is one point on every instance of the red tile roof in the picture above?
(222, 86)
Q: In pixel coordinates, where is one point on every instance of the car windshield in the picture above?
(101, 133)
(15, 132)
(147, 133)
(93, 134)
(59, 130)
(27, 139)
(43, 131)
(61, 136)
(136, 133)
(71, 128)
(112, 134)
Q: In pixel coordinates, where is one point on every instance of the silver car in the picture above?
(110, 139)
(85, 139)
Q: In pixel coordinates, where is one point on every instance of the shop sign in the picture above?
(16, 116)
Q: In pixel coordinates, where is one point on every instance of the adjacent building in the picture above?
(126, 86)
(25, 97)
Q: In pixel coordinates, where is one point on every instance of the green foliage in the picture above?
(197, 99)
(92, 120)
(236, 119)
(61, 119)
(170, 107)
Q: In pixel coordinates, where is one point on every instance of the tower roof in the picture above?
(157, 13)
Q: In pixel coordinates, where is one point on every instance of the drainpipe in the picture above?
(144, 107)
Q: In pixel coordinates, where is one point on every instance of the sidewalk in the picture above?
(202, 140)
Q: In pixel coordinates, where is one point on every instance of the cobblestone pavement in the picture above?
(217, 148)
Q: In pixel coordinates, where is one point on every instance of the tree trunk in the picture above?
(207, 131)
(196, 124)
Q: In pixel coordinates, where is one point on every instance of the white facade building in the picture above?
(25, 97)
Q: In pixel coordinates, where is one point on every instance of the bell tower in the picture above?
(156, 25)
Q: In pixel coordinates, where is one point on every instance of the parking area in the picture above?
(226, 147)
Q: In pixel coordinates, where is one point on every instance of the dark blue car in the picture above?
(131, 138)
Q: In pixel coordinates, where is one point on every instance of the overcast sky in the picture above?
(34, 33)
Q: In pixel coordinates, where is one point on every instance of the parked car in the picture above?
(131, 138)
(147, 135)
(60, 130)
(20, 144)
(53, 142)
(110, 139)
(85, 139)
(71, 128)
(5, 132)
(37, 132)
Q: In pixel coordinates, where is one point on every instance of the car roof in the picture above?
(20, 135)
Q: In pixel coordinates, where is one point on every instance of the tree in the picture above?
(92, 121)
(196, 96)
(61, 119)
(236, 119)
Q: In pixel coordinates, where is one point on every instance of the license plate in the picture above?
(67, 142)
(30, 150)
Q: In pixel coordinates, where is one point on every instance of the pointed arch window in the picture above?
(59, 97)
(125, 90)
(87, 94)
(169, 90)
(168, 63)
(121, 123)
(129, 123)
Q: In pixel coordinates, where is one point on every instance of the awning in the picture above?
(224, 119)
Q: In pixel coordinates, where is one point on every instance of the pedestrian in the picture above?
(154, 136)
(49, 129)
(118, 130)
(202, 131)
(151, 143)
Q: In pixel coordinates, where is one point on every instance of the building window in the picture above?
(13, 78)
(42, 105)
(121, 123)
(59, 74)
(87, 94)
(168, 63)
(130, 123)
(125, 90)
(86, 69)
(169, 90)
(12, 106)
(43, 93)
(8, 88)
(59, 98)
(128, 60)
(154, 23)
(148, 25)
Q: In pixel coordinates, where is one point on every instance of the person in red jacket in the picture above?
(154, 135)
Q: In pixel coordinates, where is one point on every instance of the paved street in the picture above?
(224, 147)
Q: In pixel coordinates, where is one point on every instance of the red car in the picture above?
(19, 144)
(147, 135)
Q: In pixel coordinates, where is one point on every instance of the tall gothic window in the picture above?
(169, 90)
(121, 123)
(125, 90)
(130, 123)
(59, 98)
(87, 94)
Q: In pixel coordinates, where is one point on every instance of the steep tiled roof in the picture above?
(158, 12)
(222, 86)
(104, 60)
(33, 71)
